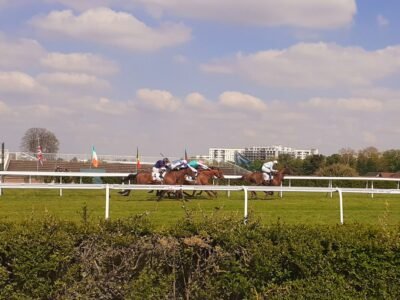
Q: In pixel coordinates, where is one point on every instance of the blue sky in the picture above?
(166, 75)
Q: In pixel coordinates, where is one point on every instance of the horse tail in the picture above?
(130, 178)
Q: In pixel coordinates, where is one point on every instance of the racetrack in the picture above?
(293, 208)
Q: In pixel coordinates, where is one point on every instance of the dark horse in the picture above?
(204, 177)
(138, 178)
(257, 178)
(176, 177)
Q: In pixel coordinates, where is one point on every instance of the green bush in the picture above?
(216, 258)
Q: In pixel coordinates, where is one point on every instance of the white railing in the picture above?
(245, 189)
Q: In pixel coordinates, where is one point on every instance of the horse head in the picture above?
(217, 172)
(189, 171)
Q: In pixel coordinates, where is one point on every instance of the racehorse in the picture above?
(257, 178)
(138, 178)
(204, 177)
(176, 177)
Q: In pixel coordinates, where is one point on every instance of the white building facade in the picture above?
(223, 154)
(259, 153)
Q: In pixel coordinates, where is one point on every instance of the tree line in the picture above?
(347, 162)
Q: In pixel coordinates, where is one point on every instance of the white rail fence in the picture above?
(228, 188)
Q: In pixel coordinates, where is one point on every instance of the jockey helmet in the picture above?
(166, 160)
(275, 161)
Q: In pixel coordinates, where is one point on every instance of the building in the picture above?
(223, 154)
(259, 153)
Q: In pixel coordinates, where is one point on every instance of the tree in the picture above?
(295, 165)
(34, 137)
(348, 156)
(337, 170)
(368, 160)
(391, 160)
(313, 163)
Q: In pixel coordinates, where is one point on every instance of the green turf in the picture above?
(293, 208)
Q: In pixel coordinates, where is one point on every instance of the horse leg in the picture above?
(125, 193)
(160, 195)
(268, 193)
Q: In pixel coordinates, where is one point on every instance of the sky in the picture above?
(169, 75)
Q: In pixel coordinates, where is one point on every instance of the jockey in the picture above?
(268, 169)
(198, 164)
(159, 169)
(179, 164)
(183, 164)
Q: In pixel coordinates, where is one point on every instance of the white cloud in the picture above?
(312, 65)
(4, 108)
(317, 14)
(382, 21)
(19, 52)
(240, 101)
(108, 106)
(19, 83)
(80, 62)
(78, 81)
(158, 99)
(351, 104)
(197, 101)
(105, 26)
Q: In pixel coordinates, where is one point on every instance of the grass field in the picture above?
(293, 208)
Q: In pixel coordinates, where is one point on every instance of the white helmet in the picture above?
(275, 161)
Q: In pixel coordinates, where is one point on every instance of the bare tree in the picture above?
(34, 137)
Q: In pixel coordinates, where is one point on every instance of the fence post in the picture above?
(341, 205)
(281, 193)
(1, 181)
(330, 186)
(372, 187)
(61, 188)
(229, 192)
(245, 204)
(107, 201)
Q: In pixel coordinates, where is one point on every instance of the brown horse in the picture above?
(176, 177)
(138, 178)
(257, 178)
(204, 177)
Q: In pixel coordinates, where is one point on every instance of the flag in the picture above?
(186, 156)
(240, 159)
(137, 158)
(95, 161)
(40, 155)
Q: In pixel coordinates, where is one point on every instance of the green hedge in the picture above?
(216, 258)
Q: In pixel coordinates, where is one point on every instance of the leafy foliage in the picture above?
(214, 258)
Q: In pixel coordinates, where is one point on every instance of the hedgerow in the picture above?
(217, 257)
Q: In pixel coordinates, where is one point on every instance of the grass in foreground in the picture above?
(293, 208)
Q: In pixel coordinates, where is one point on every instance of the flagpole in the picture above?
(91, 158)
(37, 159)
